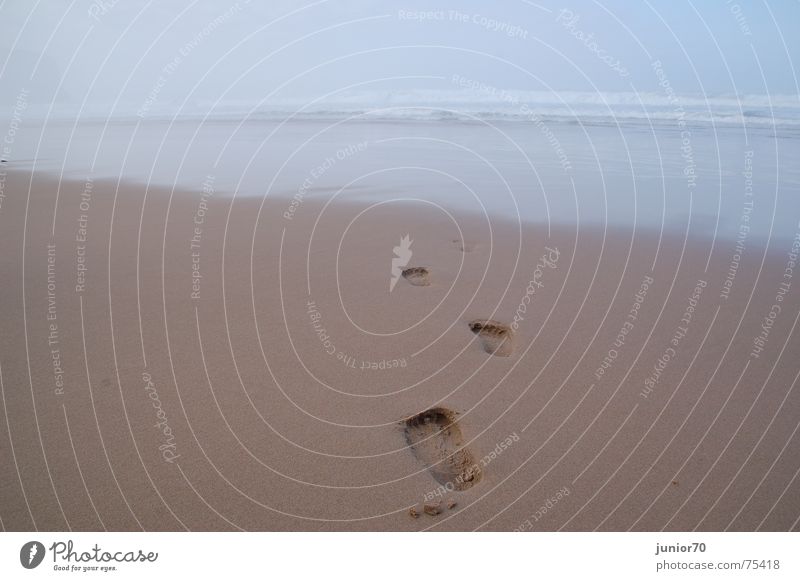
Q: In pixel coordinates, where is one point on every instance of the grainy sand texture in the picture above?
(191, 359)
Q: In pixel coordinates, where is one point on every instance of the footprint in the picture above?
(496, 338)
(436, 441)
(464, 246)
(417, 275)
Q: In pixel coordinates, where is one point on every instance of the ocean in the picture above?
(700, 165)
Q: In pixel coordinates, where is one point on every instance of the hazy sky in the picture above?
(139, 52)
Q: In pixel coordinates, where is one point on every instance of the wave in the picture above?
(486, 104)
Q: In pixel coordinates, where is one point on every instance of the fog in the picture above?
(121, 56)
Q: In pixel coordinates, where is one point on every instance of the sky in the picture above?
(137, 55)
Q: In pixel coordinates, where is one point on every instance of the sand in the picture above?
(177, 360)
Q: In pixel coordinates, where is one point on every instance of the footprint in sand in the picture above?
(418, 276)
(464, 246)
(436, 441)
(496, 338)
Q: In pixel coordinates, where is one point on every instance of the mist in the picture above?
(120, 57)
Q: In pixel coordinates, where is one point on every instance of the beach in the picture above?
(213, 357)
